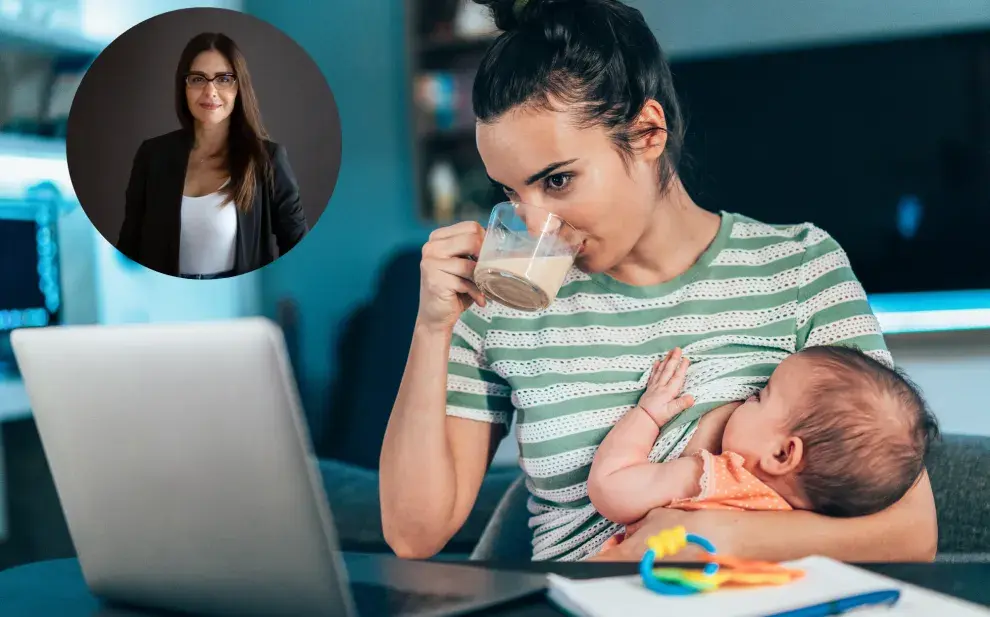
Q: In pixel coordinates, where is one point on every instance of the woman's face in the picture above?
(541, 158)
(211, 102)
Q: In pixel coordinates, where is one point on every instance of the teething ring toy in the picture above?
(669, 542)
(681, 582)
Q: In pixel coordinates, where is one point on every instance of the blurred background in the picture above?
(869, 118)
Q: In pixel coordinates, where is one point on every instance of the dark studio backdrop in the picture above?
(127, 96)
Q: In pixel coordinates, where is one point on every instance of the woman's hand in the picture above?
(447, 288)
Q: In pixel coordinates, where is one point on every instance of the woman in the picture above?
(204, 201)
(577, 114)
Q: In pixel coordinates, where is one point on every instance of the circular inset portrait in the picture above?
(203, 143)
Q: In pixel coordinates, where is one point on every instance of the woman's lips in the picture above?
(210, 106)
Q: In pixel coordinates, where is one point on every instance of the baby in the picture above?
(833, 431)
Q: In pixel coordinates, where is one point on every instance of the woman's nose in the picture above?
(538, 220)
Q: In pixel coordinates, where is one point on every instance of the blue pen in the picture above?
(887, 597)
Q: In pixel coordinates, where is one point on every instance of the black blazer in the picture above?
(152, 217)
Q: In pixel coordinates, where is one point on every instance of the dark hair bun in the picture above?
(597, 58)
(511, 14)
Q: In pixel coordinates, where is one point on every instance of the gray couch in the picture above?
(960, 472)
(959, 467)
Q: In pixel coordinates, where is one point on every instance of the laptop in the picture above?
(188, 481)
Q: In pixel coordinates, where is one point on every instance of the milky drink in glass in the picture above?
(525, 256)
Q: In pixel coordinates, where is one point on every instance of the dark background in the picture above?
(127, 96)
(842, 137)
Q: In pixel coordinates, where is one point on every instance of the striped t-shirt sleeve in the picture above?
(832, 307)
(474, 390)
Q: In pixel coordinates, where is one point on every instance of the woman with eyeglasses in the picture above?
(203, 202)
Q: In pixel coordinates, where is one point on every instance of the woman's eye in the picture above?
(557, 182)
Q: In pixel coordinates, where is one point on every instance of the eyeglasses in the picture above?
(222, 81)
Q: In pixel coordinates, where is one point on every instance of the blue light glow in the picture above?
(27, 318)
(932, 311)
(48, 277)
(909, 212)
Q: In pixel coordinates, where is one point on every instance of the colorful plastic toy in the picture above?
(720, 571)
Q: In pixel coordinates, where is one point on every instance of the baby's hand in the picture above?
(661, 400)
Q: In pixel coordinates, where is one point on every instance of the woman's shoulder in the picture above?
(273, 147)
(167, 141)
(744, 227)
(176, 137)
(749, 235)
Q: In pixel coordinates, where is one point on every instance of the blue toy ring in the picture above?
(648, 562)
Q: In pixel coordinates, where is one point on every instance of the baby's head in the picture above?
(834, 431)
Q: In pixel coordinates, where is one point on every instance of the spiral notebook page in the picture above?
(825, 580)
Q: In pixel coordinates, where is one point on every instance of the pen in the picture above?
(841, 606)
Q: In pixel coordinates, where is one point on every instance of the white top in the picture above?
(209, 234)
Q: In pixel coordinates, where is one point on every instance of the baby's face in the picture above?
(758, 427)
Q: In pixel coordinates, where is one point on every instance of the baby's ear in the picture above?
(784, 459)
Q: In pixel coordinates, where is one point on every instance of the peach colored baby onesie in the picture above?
(725, 485)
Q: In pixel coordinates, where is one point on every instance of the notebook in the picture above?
(825, 579)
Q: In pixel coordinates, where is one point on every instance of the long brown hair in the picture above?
(247, 155)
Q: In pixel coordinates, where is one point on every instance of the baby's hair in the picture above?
(866, 430)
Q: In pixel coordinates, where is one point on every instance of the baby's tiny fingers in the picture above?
(654, 374)
(681, 373)
(670, 364)
(667, 411)
(680, 404)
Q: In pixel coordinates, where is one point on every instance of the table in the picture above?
(57, 587)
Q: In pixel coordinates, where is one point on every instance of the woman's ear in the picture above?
(785, 459)
(651, 126)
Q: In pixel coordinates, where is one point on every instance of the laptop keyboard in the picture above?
(377, 600)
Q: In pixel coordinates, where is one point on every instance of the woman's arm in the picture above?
(289, 224)
(129, 237)
(623, 484)
(907, 531)
(432, 465)
(451, 410)
(904, 532)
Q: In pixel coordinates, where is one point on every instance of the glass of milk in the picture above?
(525, 256)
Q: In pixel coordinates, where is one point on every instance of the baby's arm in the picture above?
(623, 485)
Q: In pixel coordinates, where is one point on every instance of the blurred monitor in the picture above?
(885, 145)
(30, 294)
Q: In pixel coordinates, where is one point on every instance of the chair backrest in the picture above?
(507, 537)
(370, 362)
(958, 467)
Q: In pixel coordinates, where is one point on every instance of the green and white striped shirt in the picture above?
(567, 374)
